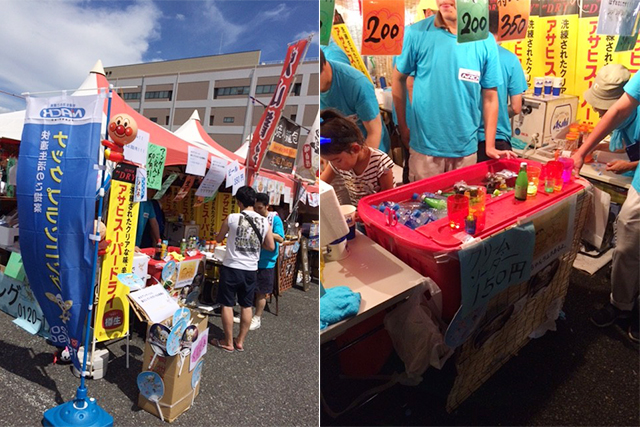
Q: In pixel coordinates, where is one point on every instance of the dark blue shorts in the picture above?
(236, 282)
(265, 280)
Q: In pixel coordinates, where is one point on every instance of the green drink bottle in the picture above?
(522, 182)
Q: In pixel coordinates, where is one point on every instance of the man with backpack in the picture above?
(248, 233)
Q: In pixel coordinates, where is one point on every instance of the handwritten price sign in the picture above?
(383, 27)
(326, 20)
(513, 19)
(473, 20)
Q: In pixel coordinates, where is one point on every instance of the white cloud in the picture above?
(303, 34)
(281, 12)
(52, 45)
(229, 32)
(180, 17)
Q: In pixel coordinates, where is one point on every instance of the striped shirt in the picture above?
(369, 181)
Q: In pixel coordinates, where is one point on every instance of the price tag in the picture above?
(326, 20)
(382, 27)
(473, 20)
(513, 19)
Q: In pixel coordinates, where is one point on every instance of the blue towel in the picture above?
(337, 304)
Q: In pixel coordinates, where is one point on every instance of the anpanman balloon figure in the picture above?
(123, 129)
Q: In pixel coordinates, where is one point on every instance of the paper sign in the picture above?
(626, 43)
(554, 233)
(199, 349)
(140, 192)
(197, 161)
(326, 20)
(156, 157)
(231, 170)
(239, 180)
(156, 302)
(17, 300)
(184, 190)
(313, 199)
(14, 268)
(473, 20)
(165, 186)
(186, 272)
(213, 179)
(382, 27)
(287, 196)
(274, 198)
(489, 267)
(136, 152)
(513, 19)
(618, 17)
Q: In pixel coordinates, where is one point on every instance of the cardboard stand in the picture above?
(181, 383)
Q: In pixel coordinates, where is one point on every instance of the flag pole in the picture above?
(83, 411)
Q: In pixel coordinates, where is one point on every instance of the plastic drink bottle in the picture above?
(522, 182)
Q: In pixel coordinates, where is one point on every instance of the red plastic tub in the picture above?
(432, 249)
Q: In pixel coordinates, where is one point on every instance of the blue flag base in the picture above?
(86, 412)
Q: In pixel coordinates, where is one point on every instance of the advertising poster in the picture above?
(112, 311)
(56, 205)
(283, 150)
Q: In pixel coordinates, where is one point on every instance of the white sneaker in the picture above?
(255, 323)
(236, 319)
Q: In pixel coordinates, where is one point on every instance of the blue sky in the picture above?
(52, 45)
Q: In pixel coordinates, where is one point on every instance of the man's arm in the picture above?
(224, 229)
(374, 131)
(490, 105)
(614, 117)
(515, 106)
(399, 93)
(155, 230)
(278, 228)
(268, 243)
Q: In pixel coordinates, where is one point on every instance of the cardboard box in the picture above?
(177, 385)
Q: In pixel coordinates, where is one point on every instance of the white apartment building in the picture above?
(219, 87)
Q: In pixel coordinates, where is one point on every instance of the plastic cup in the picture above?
(548, 84)
(349, 212)
(533, 174)
(457, 210)
(553, 177)
(567, 168)
(557, 86)
(538, 85)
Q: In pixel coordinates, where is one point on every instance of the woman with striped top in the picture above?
(365, 170)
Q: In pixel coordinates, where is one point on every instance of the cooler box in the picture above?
(432, 249)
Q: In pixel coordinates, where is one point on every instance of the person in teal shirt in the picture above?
(334, 53)
(625, 280)
(454, 89)
(147, 215)
(267, 264)
(349, 91)
(509, 97)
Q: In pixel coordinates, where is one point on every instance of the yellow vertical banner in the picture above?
(112, 313)
(342, 37)
(559, 20)
(591, 57)
(530, 50)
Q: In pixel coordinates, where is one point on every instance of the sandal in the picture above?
(216, 343)
(235, 345)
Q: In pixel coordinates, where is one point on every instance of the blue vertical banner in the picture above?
(57, 206)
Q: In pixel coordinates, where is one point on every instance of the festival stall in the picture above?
(470, 265)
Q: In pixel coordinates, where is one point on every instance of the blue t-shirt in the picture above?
(633, 89)
(334, 53)
(351, 93)
(514, 83)
(268, 258)
(447, 91)
(145, 213)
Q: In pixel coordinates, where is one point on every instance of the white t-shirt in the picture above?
(243, 246)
